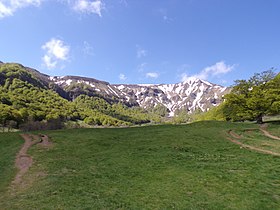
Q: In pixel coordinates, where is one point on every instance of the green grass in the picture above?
(9, 146)
(274, 128)
(257, 139)
(158, 167)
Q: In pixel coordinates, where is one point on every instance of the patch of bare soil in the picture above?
(45, 141)
(23, 160)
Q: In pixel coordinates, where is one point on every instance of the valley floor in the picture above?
(205, 165)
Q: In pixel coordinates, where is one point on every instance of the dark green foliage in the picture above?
(12, 71)
(249, 100)
(98, 111)
(31, 125)
(27, 100)
(160, 110)
(24, 96)
(181, 116)
(76, 89)
(252, 99)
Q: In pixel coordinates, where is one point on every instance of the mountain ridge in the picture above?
(191, 95)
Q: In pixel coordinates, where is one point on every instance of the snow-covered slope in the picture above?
(191, 94)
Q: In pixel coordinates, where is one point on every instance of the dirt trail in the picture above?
(23, 160)
(234, 135)
(45, 141)
(266, 133)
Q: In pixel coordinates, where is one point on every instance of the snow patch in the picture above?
(207, 83)
(121, 87)
(111, 89)
(223, 89)
(68, 82)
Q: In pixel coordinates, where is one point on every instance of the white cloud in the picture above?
(141, 52)
(141, 67)
(211, 71)
(183, 68)
(163, 12)
(124, 2)
(56, 51)
(9, 7)
(49, 62)
(184, 77)
(167, 19)
(224, 81)
(87, 6)
(122, 77)
(218, 68)
(5, 11)
(202, 75)
(153, 75)
(87, 48)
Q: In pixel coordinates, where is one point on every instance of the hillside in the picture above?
(190, 95)
(26, 96)
(27, 93)
(190, 166)
(193, 94)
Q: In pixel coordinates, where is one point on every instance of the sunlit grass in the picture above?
(158, 167)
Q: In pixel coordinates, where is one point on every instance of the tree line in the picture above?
(28, 103)
(25, 99)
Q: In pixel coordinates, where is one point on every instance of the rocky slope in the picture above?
(193, 94)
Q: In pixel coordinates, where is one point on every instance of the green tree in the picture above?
(160, 110)
(181, 116)
(252, 99)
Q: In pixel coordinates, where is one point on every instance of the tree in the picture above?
(181, 116)
(273, 95)
(252, 99)
(7, 114)
(160, 110)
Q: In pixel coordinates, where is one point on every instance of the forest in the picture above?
(26, 101)
(30, 103)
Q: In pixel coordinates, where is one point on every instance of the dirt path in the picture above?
(234, 135)
(266, 133)
(23, 160)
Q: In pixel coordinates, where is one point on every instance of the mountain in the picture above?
(192, 94)
(30, 100)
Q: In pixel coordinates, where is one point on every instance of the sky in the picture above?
(143, 41)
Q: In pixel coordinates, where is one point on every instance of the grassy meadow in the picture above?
(274, 128)
(10, 145)
(189, 166)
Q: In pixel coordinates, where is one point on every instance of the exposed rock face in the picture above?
(193, 94)
(190, 95)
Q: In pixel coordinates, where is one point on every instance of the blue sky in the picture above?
(143, 41)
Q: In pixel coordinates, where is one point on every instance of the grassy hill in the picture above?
(157, 167)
